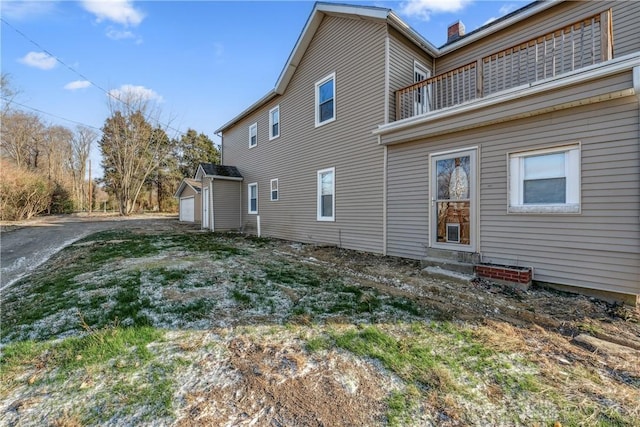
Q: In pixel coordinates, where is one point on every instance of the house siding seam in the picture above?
(355, 51)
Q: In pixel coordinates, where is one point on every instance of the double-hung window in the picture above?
(545, 181)
(253, 198)
(274, 190)
(326, 194)
(325, 100)
(253, 135)
(274, 122)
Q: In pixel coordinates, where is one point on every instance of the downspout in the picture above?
(387, 100)
(384, 201)
(212, 216)
(386, 76)
(219, 135)
(636, 89)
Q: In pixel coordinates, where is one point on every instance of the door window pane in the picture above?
(453, 178)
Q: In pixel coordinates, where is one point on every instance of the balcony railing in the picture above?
(578, 45)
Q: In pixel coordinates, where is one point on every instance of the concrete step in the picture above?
(440, 273)
(458, 256)
(448, 264)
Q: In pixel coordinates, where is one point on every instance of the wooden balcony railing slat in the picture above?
(573, 46)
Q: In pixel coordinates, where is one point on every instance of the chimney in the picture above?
(455, 31)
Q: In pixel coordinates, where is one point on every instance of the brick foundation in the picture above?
(518, 276)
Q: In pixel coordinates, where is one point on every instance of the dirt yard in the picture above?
(173, 326)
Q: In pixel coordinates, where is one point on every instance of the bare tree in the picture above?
(131, 148)
(80, 150)
(21, 138)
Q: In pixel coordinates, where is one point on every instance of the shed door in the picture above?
(453, 201)
(187, 209)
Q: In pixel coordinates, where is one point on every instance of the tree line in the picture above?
(43, 167)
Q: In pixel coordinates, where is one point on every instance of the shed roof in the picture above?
(220, 171)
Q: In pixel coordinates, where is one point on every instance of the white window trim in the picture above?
(253, 126)
(271, 136)
(420, 67)
(253, 184)
(319, 216)
(515, 171)
(271, 190)
(331, 76)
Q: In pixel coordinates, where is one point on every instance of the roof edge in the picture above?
(498, 25)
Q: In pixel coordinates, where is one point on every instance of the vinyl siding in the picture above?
(597, 249)
(355, 51)
(226, 204)
(626, 15)
(402, 54)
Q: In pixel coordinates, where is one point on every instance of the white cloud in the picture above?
(507, 8)
(25, 9)
(115, 34)
(119, 11)
(423, 9)
(40, 60)
(489, 21)
(131, 92)
(78, 84)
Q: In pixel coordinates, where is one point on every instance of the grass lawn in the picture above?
(192, 328)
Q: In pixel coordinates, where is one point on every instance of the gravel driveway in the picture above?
(26, 245)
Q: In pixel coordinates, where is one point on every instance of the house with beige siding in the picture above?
(514, 148)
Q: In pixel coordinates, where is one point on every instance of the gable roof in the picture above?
(188, 182)
(320, 10)
(219, 171)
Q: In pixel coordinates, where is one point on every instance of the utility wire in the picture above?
(37, 110)
(73, 70)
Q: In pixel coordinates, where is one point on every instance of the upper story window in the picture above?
(325, 100)
(274, 122)
(274, 190)
(253, 198)
(253, 135)
(545, 181)
(326, 195)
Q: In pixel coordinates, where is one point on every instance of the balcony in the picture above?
(575, 46)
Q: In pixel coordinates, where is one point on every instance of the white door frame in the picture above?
(473, 175)
(421, 101)
(206, 207)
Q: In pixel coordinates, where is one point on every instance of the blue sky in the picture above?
(200, 62)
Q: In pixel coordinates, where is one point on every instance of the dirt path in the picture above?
(26, 245)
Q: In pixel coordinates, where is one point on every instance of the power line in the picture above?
(73, 70)
(37, 110)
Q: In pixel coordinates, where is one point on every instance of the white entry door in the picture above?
(205, 208)
(453, 200)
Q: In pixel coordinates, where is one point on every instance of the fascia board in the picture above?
(492, 28)
(412, 35)
(259, 103)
